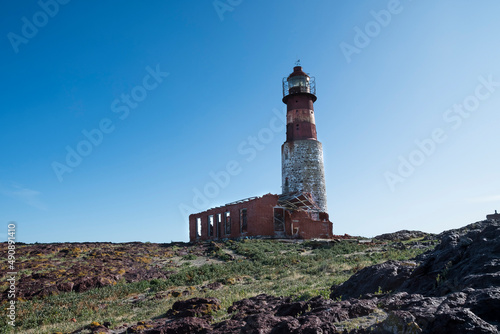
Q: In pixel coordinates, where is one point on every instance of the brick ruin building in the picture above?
(301, 210)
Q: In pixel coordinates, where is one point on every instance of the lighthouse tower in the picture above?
(302, 154)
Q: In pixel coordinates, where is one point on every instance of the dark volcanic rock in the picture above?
(85, 283)
(264, 323)
(385, 277)
(459, 320)
(418, 314)
(291, 309)
(186, 325)
(401, 235)
(259, 304)
(287, 325)
(398, 322)
(485, 303)
(215, 286)
(314, 324)
(268, 314)
(194, 307)
(65, 267)
(360, 308)
(65, 287)
(454, 289)
(467, 258)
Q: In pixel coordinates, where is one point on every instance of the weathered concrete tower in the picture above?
(302, 154)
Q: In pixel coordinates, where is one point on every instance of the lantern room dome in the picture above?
(299, 82)
(297, 70)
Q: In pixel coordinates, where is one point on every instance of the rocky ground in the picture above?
(452, 288)
(49, 269)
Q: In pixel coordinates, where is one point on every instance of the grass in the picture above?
(299, 270)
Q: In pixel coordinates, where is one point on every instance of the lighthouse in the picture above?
(302, 154)
(300, 211)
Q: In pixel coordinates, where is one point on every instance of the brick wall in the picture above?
(303, 226)
(260, 221)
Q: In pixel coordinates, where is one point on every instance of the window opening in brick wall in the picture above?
(243, 220)
(227, 222)
(211, 225)
(198, 227)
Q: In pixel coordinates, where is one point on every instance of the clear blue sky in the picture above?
(201, 80)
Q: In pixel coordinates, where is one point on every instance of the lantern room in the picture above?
(298, 82)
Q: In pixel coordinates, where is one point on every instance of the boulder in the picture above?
(194, 307)
(385, 277)
(184, 325)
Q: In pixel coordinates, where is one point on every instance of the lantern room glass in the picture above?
(299, 83)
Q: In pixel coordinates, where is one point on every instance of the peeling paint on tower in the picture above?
(303, 170)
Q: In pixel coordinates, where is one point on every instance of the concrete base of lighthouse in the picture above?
(303, 169)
